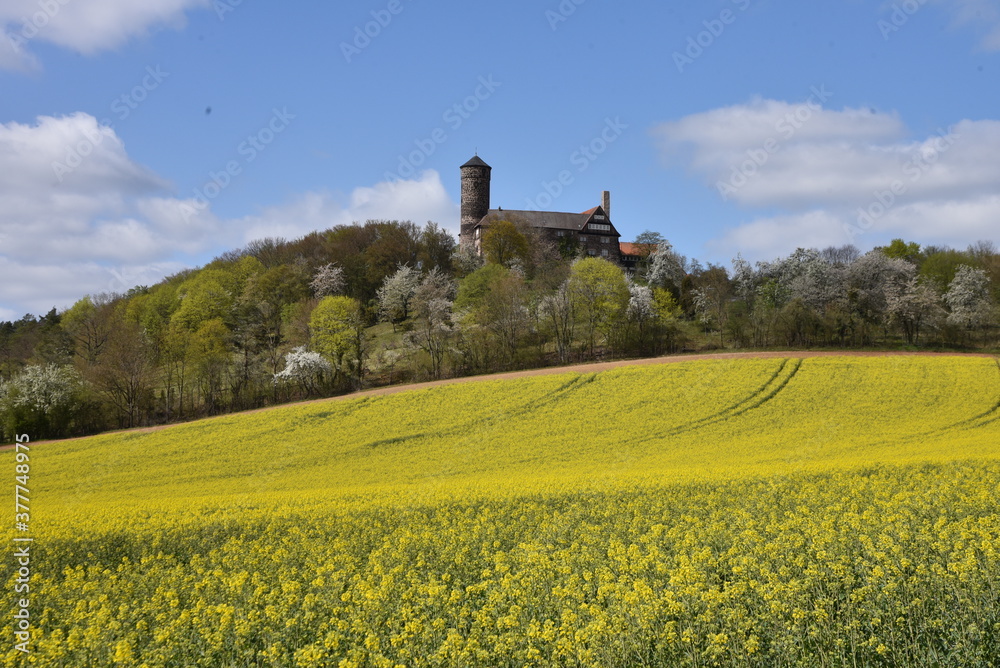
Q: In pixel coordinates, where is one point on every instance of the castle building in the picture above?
(591, 232)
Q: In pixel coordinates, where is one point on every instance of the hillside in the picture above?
(720, 512)
(689, 420)
(360, 306)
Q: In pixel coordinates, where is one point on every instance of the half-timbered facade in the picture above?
(590, 233)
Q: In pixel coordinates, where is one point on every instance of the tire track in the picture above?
(480, 425)
(977, 421)
(770, 389)
(736, 410)
(589, 367)
(765, 393)
(988, 416)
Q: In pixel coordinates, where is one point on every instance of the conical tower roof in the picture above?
(476, 161)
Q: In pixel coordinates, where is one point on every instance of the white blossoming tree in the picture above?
(968, 298)
(327, 281)
(396, 293)
(40, 400)
(305, 368)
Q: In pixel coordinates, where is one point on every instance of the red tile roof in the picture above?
(629, 248)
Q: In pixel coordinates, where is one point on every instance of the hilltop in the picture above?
(363, 306)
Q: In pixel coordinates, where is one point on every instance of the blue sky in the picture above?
(137, 139)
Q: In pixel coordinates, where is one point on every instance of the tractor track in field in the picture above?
(588, 368)
(988, 416)
(775, 384)
(576, 383)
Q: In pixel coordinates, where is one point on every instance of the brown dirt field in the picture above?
(591, 367)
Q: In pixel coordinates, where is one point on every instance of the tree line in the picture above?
(388, 301)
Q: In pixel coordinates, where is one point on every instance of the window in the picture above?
(591, 252)
(599, 227)
(561, 233)
(605, 240)
(598, 217)
(604, 252)
(583, 239)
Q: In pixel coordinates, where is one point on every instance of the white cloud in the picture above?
(418, 200)
(983, 15)
(769, 237)
(949, 222)
(85, 26)
(104, 223)
(814, 171)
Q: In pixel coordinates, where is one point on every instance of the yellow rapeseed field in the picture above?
(836, 511)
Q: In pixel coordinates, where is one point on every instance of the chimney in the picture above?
(606, 203)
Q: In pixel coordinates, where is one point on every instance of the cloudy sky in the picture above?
(137, 139)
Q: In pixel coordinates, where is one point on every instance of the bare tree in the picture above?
(557, 311)
(432, 305)
(124, 372)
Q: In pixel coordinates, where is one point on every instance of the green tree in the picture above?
(474, 287)
(600, 295)
(211, 355)
(337, 325)
(939, 265)
(88, 323)
(505, 245)
(204, 297)
(902, 250)
(503, 311)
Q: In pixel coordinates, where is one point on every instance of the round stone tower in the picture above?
(475, 196)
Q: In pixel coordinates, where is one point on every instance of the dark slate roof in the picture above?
(476, 161)
(548, 219)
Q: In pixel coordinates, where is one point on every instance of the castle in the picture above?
(590, 233)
